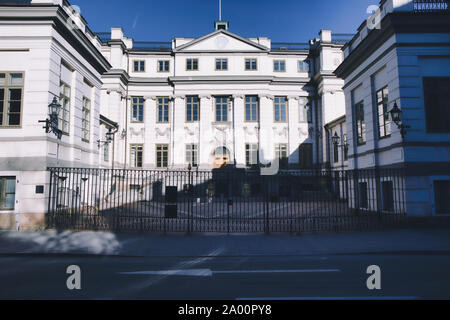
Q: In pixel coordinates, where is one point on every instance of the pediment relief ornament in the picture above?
(250, 131)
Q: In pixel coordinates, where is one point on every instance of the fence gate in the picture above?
(224, 200)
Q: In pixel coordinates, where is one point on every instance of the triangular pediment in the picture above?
(221, 40)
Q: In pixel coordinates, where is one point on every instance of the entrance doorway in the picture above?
(221, 158)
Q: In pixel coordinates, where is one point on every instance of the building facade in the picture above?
(221, 99)
(402, 59)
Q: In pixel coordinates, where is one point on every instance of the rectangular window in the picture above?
(336, 152)
(7, 193)
(137, 109)
(251, 155)
(162, 155)
(163, 110)
(106, 152)
(281, 152)
(136, 156)
(437, 104)
(222, 64)
(222, 109)
(384, 123)
(163, 65)
(346, 146)
(360, 123)
(192, 155)
(363, 200)
(279, 65)
(86, 119)
(280, 109)
(305, 154)
(305, 110)
(387, 188)
(303, 66)
(64, 115)
(251, 108)
(192, 108)
(139, 66)
(442, 196)
(251, 64)
(192, 64)
(11, 88)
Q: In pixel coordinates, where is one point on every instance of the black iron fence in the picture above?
(224, 201)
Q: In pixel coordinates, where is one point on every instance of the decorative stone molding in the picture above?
(238, 96)
(182, 97)
(267, 96)
(303, 132)
(162, 132)
(280, 132)
(153, 98)
(208, 97)
(248, 131)
(190, 132)
(136, 132)
(297, 98)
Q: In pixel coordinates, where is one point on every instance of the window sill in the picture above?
(10, 127)
(385, 137)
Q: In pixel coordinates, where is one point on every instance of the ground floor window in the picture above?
(251, 155)
(387, 189)
(7, 193)
(281, 152)
(363, 199)
(162, 156)
(136, 155)
(305, 155)
(442, 196)
(192, 154)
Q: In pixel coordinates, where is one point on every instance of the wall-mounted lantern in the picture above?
(396, 116)
(51, 124)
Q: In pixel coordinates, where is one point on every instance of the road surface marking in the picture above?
(327, 298)
(210, 273)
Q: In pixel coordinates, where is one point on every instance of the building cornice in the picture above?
(393, 23)
(58, 18)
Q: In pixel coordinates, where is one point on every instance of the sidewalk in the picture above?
(90, 243)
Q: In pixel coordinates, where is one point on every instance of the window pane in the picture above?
(15, 94)
(15, 79)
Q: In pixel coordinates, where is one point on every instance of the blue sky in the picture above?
(280, 20)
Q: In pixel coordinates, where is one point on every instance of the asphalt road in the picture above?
(403, 276)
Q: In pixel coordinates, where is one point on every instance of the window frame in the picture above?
(360, 139)
(228, 101)
(162, 151)
(191, 154)
(279, 61)
(283, 162)
(251, 109)
(6, 87)
(386, 117)
(85, 119)
(140, 64)
(306, 62)
(305, 111)
(193, 104)
(301, 156)
(61, 118)
(192, 64)
(221, 64)
(135, 165)
(429, 111)
(158, 65)
(138, 107)
(275, 110)
(3, 193)
(249, 152)
(157, 110)
(251, 64)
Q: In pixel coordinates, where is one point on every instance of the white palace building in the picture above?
(192, 102)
